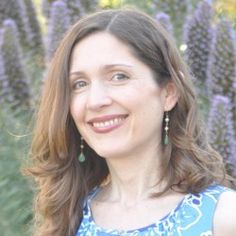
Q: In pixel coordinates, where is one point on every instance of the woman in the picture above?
(118, 148)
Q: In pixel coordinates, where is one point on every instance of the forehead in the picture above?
(100, 48)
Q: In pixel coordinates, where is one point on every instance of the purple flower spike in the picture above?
(177, 10)
(17, 81)
(221, 74)
(197, 37)
(221, 132)
(164, 19)
(16, 10)
(59, 23)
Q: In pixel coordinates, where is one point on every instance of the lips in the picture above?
(107, 123)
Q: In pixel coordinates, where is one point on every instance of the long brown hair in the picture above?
(63, 182)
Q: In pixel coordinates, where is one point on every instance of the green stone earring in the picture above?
(81, 156)
(166, 128)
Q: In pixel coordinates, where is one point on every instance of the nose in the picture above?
(98, 96)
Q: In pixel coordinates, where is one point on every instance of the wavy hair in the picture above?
(189, 163)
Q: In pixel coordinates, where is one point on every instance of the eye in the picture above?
(119, 77)
(79, 84)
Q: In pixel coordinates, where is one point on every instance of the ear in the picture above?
(171, 96)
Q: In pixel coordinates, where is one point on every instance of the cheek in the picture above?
(76, 109)
(152, 109)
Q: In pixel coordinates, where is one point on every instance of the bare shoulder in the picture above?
(225, 215)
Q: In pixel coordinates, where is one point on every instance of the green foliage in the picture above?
(16, 196)
(226, 8)
(89, 5)
(138, 4)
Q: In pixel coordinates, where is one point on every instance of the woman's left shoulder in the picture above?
(224, 219)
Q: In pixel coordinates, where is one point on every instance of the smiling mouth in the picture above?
(107, 123)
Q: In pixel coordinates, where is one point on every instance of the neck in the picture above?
(135, 177)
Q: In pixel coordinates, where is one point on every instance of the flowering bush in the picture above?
(221, 67)
(198, 36)
(16, 10)
(17, 80)
(59, 23)
(177, 10)
(221, 132)
(165, 21)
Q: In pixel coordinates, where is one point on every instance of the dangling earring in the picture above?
(166, 128)
(81, 156)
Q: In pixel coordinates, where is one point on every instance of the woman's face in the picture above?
(115, 102)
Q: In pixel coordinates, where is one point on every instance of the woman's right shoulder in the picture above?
(224, 219)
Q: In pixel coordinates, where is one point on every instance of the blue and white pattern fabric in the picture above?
(193, 216)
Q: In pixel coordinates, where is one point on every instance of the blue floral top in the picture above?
(193, 216)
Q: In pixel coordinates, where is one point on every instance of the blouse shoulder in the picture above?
(194, 215)
(224, 220)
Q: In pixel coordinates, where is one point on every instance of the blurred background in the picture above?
(30, 31)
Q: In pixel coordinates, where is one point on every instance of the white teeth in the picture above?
(108, 123)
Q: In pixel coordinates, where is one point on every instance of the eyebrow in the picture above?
(106, 67)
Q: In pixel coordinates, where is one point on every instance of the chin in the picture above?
(108, 154)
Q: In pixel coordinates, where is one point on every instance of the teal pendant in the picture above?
(166, 140)
(81, 157)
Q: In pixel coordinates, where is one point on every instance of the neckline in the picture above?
(159, 223)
